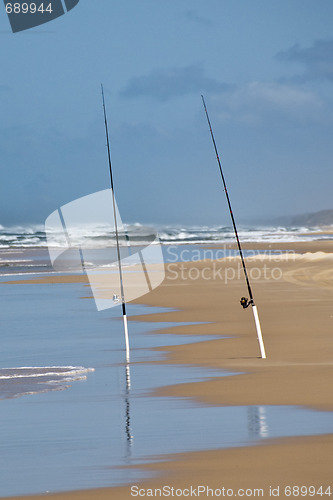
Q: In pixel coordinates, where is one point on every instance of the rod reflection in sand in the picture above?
(257, 422)
(129, 437)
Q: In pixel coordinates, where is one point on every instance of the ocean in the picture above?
(28, 236)
(24, 249)
(74, 415)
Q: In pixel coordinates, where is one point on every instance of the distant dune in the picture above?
(315, 219)
(322, 218)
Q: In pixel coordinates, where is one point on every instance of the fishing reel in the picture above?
(245, 302)
(116, 298)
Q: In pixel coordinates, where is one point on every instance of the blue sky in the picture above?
(264, 67)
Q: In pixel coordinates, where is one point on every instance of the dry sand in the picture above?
(295, 302)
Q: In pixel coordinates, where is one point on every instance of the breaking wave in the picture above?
(99, 236)
(21, 381)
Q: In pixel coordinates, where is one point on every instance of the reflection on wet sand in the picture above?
(257, 422)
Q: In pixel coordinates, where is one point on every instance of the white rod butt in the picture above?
(126, 339)
(259, 334)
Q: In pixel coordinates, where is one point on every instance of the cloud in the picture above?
(192, 16)
(317, 60)
(279, 95)
(163, 84)
(257, 102)
(5, 88)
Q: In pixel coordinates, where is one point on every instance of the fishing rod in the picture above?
(117, 234)
(244, 301)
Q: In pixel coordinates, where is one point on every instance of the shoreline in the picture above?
(285, 317)
(297, 319)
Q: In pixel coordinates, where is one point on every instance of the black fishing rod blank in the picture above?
(123, 303)
(244, 301)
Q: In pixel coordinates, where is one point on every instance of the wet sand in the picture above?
(294, 297)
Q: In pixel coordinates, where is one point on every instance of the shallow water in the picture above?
(78, 437)
(22, 261)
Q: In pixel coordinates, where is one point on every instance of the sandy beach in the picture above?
(294, 297)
